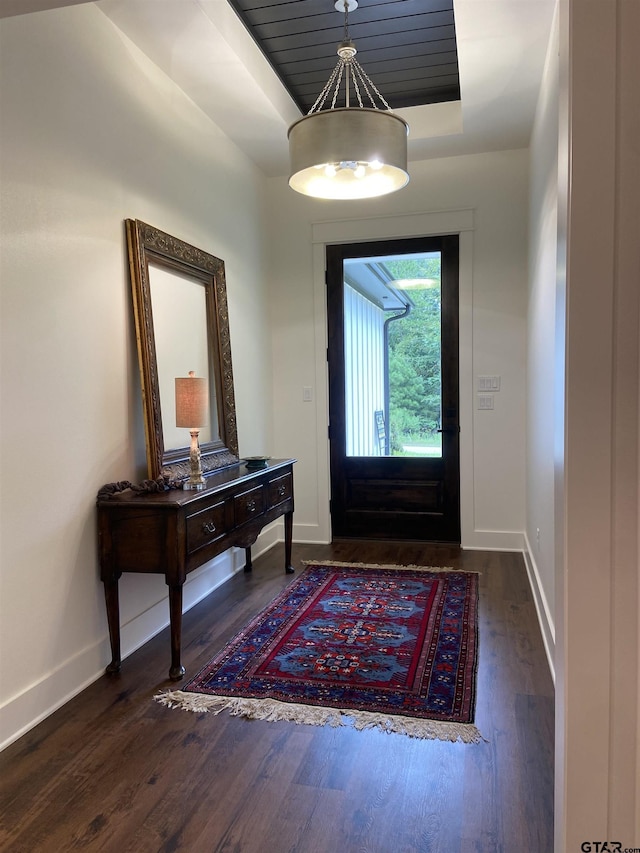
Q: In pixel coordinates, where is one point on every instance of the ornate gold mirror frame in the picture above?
(182, 324)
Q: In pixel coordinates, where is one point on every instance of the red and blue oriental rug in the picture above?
(387, 647)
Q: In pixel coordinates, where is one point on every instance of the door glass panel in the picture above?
(392, 355)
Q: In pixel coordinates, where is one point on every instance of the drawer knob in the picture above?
(282, 490)
(209, 527)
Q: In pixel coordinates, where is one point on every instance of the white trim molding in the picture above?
(545, 616)
(493, 540)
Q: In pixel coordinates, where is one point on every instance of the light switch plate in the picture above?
(485, 401)
(488, 383)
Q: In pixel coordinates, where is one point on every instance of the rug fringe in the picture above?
(411, 567)
(272, 710)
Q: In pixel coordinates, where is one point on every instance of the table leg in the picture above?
(177, 671)
(288, 536)
(248, 565)
(113, 620)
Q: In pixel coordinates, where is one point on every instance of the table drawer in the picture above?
(280, 489)
(206, 526)
(248, 505)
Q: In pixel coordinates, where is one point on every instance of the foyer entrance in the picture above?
(392, 311)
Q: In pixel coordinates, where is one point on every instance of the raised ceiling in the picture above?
(407, 47)
(204, 48)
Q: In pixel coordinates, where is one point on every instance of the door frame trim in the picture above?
(428, 224)
(436, 516)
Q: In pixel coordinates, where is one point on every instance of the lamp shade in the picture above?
(192, 401)
(348, 153)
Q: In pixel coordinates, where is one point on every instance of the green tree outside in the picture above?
(414, 361)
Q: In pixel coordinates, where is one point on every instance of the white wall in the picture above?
(93, 133)
(545, 350)
(597, 500)
(492, 189)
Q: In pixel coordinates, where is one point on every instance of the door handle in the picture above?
(449, 429)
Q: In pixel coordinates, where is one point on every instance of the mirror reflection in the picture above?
(181, 346)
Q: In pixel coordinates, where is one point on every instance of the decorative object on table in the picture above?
(387, 647)
(192, 407)
(348, 152)
(254, 463)
(146, 487)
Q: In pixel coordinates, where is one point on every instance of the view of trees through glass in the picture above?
(414, 344)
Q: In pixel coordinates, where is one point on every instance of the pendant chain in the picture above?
(353, 72)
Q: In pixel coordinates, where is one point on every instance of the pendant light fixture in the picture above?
(348, 152)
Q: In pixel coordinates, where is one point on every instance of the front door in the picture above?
(393, 389)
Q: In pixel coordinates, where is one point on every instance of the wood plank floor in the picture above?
(115, 771)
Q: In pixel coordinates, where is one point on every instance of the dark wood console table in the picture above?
(174, 532)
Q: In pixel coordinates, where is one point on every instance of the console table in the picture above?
(175, 531)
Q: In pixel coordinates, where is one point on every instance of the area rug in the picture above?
(386, 647)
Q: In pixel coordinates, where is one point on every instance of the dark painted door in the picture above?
(393, 389)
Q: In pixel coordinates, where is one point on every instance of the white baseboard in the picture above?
(310, 534)
(499, 540)
(25, 710)
(493, 540)
(545, 617)
(22, 712)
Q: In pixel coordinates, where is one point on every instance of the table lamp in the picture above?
(192, 412)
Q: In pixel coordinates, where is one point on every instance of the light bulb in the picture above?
(359, 171)
(330, 170)
(375, 164)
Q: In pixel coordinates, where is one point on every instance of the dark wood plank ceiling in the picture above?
(407, 47)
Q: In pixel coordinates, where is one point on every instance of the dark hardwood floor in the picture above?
(115, 771)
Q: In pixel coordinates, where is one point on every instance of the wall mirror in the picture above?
(182, 325)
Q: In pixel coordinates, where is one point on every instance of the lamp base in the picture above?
(196, 481)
